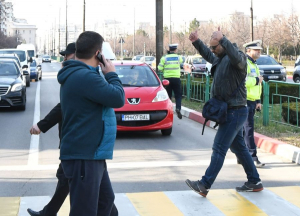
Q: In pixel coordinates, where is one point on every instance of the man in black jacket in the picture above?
(52, 118)
(229, 70)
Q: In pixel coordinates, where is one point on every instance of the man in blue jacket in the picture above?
(89, 126)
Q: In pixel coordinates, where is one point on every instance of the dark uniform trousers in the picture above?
(175, 86)
(249, 129)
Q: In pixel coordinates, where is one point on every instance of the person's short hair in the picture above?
(87, 44)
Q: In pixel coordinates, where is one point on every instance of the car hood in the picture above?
(145, 94)
(270, 67)
(7, 80)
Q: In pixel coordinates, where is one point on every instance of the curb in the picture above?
(263, 142)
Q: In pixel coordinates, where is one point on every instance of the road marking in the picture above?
(129, 165)
(33, 157)
(9, 206)
(232, 203)
(291, 194)
(153, 203)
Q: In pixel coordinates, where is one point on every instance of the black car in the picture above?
(12, 87)
(16, 58)
(296, 74)
(270, 69)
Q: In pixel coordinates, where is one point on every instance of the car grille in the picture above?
(270, 72)
(17, 100)
(3, 90)
(155, 117)
(4, 103)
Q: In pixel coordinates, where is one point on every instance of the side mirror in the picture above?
(280, 63)
(165, 82)
(25, 73)
(30, 60)
(37, 56)
(25, 67)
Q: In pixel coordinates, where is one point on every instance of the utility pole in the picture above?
(83, 26)
(54, 36)
(133, 50)
(66, 23)
(170, 32)
(251, 30)
(59, 32)
(159, 31)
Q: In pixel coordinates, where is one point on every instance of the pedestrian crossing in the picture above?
(275, 201)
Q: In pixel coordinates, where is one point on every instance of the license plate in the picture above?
(273, 77)
(136, 117)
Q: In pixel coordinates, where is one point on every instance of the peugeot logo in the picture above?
(133, 101)
(272, 71)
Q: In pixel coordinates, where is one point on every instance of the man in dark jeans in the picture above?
(62, 189)
(229, 70)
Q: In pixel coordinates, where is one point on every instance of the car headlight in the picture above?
(16, 87)
(283, 70)
(162, 95)
(261, 71)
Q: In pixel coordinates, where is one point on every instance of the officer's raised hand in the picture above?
(193, 36)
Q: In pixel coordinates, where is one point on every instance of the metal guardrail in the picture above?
(276, 112)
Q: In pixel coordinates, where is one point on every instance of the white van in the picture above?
(24, 60)
(30, 49)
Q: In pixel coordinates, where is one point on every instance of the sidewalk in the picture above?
(263, 142)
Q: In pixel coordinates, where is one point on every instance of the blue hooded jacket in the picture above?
(89, 123)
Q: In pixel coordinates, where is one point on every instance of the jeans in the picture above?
(175, 85)
(249, 129)
(230, 135)
(91, 192)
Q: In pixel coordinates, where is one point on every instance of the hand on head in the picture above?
(217, 35)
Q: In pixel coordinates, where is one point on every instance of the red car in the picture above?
(147, 105)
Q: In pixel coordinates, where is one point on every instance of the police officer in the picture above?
(170, 66)
(254, 90)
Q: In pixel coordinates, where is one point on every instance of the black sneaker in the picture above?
(259, 164)
(179, 115)
(250, 187)
(198, 187)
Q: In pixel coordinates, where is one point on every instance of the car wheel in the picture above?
(41, 77)
(166, 132)
(297, 80)
(50, 61)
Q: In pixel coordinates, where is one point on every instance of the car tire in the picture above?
(50, 61)
(166, 132)
(297, 79)
(41, 77)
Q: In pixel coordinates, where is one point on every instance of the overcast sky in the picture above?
(43, 13)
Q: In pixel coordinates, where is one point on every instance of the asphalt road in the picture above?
(143, 162)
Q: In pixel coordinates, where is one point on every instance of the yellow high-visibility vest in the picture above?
(170, 65)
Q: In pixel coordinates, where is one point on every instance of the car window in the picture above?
(30, 53)
(132, 75)
(138, 57)
(266, 60)
(46, 56)
(199, 61)
(8, 69)
(20, 53)
(149, 58)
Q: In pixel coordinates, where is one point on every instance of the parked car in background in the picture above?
(15, 57)
(12, 88)
(196, 64)
(270, 69)
(46, 58)
(35, 71)
(137, 57)
(147, 104)
(296, 74)
(183, 60)
(147, 59)
(208, 68)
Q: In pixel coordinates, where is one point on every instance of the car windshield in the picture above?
(8, 69)
(33, 64)
(199, 61)
(46, 56)
(132, 75)
(266, 60)
(149, 58)
(138, 57)
(20, 53)
(30, 53)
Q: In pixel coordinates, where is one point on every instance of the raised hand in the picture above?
(193, 36)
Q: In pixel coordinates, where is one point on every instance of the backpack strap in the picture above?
(206, 120)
